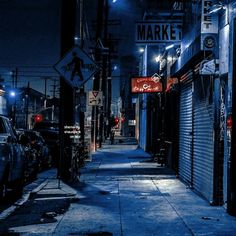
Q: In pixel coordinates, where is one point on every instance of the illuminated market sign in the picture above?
(146, 84)
(209, 22)
(157, 32)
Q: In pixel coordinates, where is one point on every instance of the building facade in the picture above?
(195, 115)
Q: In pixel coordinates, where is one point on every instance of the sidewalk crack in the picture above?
(173, 207)
(121, 226)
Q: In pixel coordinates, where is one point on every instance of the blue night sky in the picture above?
(29, 40)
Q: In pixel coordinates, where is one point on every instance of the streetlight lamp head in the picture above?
(169, 59)
(169, 47)
(12, 93)
(216, 7)
(158, 58)
(141, 50)
(76, 40)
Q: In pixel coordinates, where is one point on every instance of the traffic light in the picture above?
(38, 118)
(122, 119)
(114, 121)
(229, 122)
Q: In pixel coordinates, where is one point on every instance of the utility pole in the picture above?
(16, 77)
(27, 106)
(14, 85)
(97, 77)
(13, 78)
(108, 90)
(45, 91)
(68, 21)
(54, 86)
(81, 91)
(103, 84)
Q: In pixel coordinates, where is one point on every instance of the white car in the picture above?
(11, 160)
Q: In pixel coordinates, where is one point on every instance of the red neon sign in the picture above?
(146, 84)
(170, 83)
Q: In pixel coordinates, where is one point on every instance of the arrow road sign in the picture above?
(76, 67)
(95, 98)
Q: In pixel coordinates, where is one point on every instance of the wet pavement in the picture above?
(121, 192)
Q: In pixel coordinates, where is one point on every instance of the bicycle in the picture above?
(79, 154)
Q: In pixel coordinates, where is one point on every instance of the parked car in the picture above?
(50, 133)
(37, 152)
(12, 159)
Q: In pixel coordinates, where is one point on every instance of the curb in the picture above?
(25, 197)
(37, 189)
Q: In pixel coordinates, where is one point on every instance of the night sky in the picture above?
(30, 37)
(29, 40)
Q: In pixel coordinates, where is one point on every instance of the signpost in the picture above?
(76, 67)
(95, 98)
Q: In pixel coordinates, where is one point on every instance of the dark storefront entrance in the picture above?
(199, 160)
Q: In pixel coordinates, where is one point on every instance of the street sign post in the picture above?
(95, 98)
(76, 67)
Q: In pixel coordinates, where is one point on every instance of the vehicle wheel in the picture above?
(18, 187)
(35, 171)
(40, 166)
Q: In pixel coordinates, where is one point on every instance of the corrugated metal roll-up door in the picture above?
(185, 129)
(203, 136)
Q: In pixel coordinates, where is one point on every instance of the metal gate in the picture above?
(186, 129)
(203, 137)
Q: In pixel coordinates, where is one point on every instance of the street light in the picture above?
(141, 50)
(12, 94)
(76, 40)
(216, 7)
(169, 47)
(157, 58)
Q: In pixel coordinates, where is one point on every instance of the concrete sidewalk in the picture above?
(123, 193)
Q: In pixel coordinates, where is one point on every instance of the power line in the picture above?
(29, 75)
(25, 66)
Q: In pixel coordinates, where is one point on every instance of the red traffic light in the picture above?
(122, 119)
(229, 122)
(116, 120)
(38, 118)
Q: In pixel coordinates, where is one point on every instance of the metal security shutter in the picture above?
(185, 129)
(203, 137)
